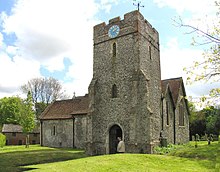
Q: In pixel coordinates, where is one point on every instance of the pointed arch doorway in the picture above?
(114, 132)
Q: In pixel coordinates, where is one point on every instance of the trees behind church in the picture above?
(207, 69)
(9, 110)
(43, 91)
(15, 110)
(205, 121)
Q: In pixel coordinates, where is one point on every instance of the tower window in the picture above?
(114, 91)
(149, 49)
(114, 49)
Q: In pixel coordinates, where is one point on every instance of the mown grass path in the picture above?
(183, 159)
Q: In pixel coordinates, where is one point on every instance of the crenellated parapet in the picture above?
(133, 22)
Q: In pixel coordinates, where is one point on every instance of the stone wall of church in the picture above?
(135, 71)
(57, 133)
(149, 63)
(168, 118)
(182, 131)
(80, 131)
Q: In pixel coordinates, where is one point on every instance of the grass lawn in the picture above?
(184, 158)
(14, 158)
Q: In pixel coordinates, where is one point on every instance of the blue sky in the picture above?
(54, 38)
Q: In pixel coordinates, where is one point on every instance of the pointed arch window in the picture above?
(114, 91)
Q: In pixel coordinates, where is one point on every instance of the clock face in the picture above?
(113, 31)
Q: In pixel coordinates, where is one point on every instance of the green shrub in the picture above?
(2, 140)
(164, 150)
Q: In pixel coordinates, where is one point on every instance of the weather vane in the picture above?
(138, 4)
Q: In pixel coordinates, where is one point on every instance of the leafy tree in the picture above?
(9, 110)
(197, 124)
(14, 110)
(205, 121)
(39, 108)
(217, 122)
(192, 109)
(209, 68)
(212, 117)
(196, 121)
(27, 117)
(210, 65)
(2, 140)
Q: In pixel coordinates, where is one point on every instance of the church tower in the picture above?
(125, 91)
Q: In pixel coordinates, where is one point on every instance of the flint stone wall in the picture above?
(136, 73)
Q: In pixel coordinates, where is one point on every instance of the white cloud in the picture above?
(174, 59)
(48, 31)
(171, 53)
(12, 50)
(15, 72)
(107, 4)
(51, 29)
(197, 13)
(195, 6)
(1, 40)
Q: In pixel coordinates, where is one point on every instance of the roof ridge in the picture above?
(172, 79)
(75, 98)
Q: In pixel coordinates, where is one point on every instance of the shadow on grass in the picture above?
(27, 169)
(13, 161)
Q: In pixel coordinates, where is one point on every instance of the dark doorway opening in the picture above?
(114, 132)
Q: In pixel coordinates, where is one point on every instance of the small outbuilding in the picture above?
(15, 136)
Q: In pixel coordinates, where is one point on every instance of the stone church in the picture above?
(126, 96)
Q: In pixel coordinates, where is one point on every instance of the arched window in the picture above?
(114, 91)
(54, 130)
(114, 49)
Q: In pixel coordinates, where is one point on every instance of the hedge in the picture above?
(2, 140)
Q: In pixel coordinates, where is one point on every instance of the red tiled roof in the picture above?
(174, 84)
(64, 109)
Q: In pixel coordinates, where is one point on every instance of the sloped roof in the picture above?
(174, 85)
(64, 109)
(12, 128)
